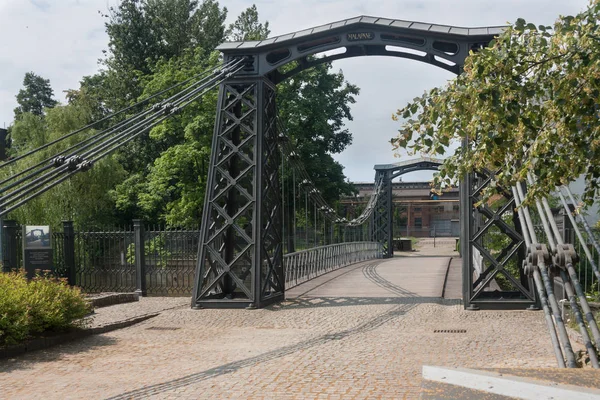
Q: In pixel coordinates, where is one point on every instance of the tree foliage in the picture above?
(35, 95)
(248, 26)
(170, 188)
(161, 176)
(142, 32)
(84, 198)
(316, 122)
(528, 103)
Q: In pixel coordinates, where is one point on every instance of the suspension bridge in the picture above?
(266, 228)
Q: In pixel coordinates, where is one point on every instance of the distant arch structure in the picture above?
(240, 257)
(443, 46)
(406, 166)
(383, 227)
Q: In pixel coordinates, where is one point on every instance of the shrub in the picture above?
(40, 305)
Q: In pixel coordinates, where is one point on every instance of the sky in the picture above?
(62, 40)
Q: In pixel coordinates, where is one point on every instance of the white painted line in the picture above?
(512, 386)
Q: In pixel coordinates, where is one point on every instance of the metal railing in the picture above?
(165, 262)
(103, 262)
(585, 272)
(170, 261)
(308, 264)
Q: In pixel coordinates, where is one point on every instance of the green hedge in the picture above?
(40, 305)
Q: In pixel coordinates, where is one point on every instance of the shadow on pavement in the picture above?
(78, 346)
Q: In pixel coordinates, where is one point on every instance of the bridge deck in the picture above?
(362, 332)
(396, 277)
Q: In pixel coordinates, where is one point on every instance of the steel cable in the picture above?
(68, 175)
(97, 153)
(543, 271)
(578, 233)
(108, 117)
(586, 226)
(571, 279)
(529, 236)
(288, 149)
(553, 242)
(109, 131)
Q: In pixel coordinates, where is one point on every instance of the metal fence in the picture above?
(308, 264)
(170, 261)
(585, 272)
(160, 262)
(102, 261)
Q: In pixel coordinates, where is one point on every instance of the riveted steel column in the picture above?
(390, 215)
(69, 251)
(466, 228)
(240, 250)
(382, 215)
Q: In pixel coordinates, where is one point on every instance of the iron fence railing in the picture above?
(304, 265)
(58, 253)
(170, 261)
(165, 262)
(103, 261)
(423, 232)
(585, 272)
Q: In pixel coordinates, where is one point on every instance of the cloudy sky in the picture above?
(62, 40)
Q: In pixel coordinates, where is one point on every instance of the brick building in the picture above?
(417, 211)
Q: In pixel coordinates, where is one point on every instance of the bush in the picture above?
(40, 305)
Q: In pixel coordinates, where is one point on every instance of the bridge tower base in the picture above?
(240, 250)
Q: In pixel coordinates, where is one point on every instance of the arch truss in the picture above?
(382, 219)
(240, 252)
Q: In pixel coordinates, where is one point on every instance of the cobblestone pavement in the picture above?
(146, 305)
(316, 346)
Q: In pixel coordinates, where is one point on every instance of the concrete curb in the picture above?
(46, 342)
(111, 299)
(507, 385)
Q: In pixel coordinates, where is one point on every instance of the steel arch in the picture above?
(240, 262)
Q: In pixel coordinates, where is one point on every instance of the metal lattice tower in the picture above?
(384, 228)
(240, 255)
(241, 246)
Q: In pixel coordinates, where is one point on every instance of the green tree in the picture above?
(141, 32)
(526, 104)
(170, 165)
(84, 198)
(314, 105)
(28, 132)
(170, 187)
(248, 26)
(35, 95)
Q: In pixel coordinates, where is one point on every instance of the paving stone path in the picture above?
(362, 332)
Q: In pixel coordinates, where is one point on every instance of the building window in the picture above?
(417, 209)
(418, 222)
(455, 207)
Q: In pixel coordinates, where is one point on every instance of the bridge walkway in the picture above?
(418, 277)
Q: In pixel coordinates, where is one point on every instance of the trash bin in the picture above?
(405, 245)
